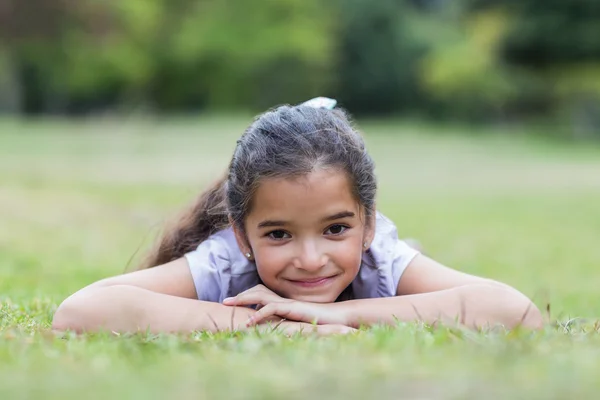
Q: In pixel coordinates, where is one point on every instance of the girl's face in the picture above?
(306, 235)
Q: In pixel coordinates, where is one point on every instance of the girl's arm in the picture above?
(432, 293)
(428, 292)
(159, 299)
(162, 299)
(476, 305)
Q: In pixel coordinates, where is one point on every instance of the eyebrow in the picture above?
(333, 217)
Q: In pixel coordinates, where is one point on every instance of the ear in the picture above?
(369, 231)
(241, 239)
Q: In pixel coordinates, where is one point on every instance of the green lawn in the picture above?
(78, 199)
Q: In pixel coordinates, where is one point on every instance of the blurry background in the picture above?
(498, 61)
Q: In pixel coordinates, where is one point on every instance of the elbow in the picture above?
(508, 307)
(69, 316)
(521, 312)
(79, 312)
(528, 317)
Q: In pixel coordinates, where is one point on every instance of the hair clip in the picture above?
(321, 102)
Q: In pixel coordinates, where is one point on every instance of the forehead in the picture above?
(321, 192)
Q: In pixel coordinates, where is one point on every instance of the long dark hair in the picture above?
(287, 141)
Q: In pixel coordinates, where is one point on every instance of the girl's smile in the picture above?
(306, 235)
(314, 282)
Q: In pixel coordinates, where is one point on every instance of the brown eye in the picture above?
(336, 229)
(278, 235)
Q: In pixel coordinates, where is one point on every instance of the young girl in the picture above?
(292, 230)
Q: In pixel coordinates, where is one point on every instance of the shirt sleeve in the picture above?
(390, 256)
(207, 264)
(402, 256)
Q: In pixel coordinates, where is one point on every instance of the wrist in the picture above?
(341, 313)
(226, 318)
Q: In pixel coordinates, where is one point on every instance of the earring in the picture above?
(248, 255)
(365, 245)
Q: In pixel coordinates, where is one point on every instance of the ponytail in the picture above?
(207, 215)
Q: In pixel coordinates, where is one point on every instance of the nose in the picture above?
(310, 259)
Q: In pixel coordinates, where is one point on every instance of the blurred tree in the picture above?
(29, 29)
(463, 71)
(558, 44)
(239, 53)
(547, 33)
(377, 50)
(467, 59)
(168, 54)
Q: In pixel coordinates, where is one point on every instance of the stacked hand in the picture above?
(296, 315)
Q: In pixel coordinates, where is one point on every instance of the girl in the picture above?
(292, 230)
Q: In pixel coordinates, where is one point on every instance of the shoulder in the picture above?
(386, 244)
(222, 252)
(214, 264)
(384, 263)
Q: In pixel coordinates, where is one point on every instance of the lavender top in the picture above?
(220, 270)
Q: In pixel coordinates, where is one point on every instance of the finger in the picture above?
(270, 310)
(265, 312)
(246, 300)
(265, 290)
(232, 300)
(293, 311)
(254, 295)
(249, 297)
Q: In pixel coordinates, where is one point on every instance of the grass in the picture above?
(77, 199)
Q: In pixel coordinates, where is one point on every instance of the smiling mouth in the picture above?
(313, 282)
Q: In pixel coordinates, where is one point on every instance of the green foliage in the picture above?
(559, 41)
(377, 53)
(464, 72)
(513, 59)
(468, 59)
(553, 32)
(172, 54)
(252, 54)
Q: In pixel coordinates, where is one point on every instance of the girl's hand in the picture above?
(272, 305)
(259, 295)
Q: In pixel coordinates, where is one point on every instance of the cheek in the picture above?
(270, 261)
(345, 254)
(348, 256)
